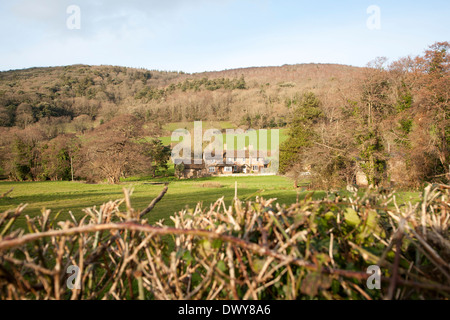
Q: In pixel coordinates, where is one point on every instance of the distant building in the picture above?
(240, 163)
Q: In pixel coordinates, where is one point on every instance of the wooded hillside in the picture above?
(102, 92)
(389, 121)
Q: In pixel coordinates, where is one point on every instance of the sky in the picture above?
(212, 35)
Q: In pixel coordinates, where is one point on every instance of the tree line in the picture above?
(394, 126)
(117, 149)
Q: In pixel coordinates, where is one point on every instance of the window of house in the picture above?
(212, 169)
(228, 169)
(255, 168)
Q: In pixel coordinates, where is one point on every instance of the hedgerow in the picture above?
(314, 249)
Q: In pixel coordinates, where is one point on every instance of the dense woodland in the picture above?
(101, 123)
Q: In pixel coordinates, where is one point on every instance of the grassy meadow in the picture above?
(75, 196)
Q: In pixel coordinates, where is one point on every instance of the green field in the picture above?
(74, 196)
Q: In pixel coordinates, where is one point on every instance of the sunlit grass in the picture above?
(75, 196)
(65, 196)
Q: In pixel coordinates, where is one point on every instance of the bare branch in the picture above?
(154, 202)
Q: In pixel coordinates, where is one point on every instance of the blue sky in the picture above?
(208, 35)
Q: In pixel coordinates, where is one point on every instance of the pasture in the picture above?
(75, 196)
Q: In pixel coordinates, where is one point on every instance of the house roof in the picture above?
(193, 166)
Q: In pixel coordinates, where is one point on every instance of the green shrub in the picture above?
(254, 250)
